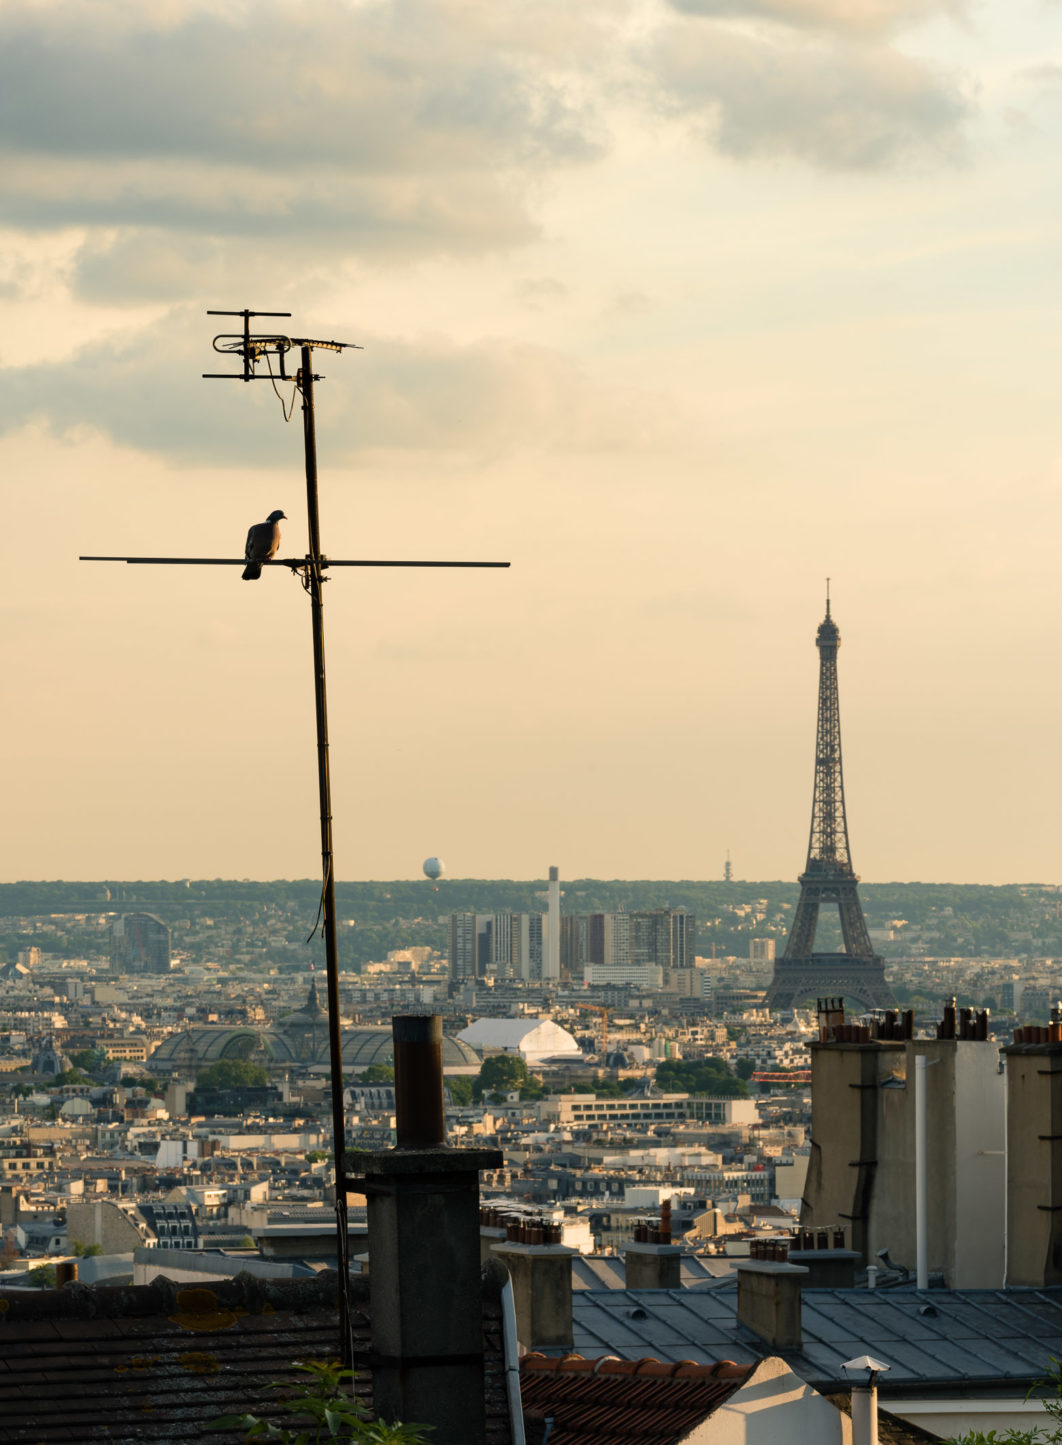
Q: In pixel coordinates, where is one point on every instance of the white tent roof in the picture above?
(530, 1038)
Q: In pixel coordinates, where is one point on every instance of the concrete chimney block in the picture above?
(542, 1291)
(653, 1266)
(828, 1268)
(769, 1301)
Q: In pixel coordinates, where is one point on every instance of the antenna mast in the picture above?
(252, 349)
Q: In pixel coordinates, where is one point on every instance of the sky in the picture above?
(681, 306)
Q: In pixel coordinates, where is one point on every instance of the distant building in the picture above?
(551, 960)
(497, 945)
(532, 1039)
(300, 1037)
(464, 957)
(574, 1109)
(575, 929)
(174, 1225)
(49, 1059)
(140, 943)
(1011, 995)
(660, 938)
(664, 937)
(635, 975)
(761, 952)
(529, 940)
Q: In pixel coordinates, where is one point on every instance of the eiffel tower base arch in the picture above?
(816, 975)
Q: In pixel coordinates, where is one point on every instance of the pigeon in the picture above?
(262, 542)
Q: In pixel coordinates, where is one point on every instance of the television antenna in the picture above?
(253, 349)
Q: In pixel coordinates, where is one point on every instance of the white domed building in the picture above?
(533, 1040)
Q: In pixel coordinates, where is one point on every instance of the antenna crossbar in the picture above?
(321, 562)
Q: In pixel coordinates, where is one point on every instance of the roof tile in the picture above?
(618, 1402)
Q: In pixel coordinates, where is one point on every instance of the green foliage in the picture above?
(145, 1082)
(317, 1156)
(376, 1074)
(745, 1068)
(90, 1061)
(334, 1414)
(247, 1242)
(500, 1074)
(460, 1086)
(231, 1074)
(608, 1089)
(80, 1250)
(699, 1076)
(1036, 1434)
(43, 1277)
(70, 1076)
(958, 919)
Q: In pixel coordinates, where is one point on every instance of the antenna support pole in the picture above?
(314, 584)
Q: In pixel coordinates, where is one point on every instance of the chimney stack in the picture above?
(424, 1275)
(1034, 1158)
(650, 1259)
(769, 1301)
(831, 1018)
(540, 1268)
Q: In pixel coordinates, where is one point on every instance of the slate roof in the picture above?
(945, 1339)
(617, 1402)
(609, 1271)
(158, 1362)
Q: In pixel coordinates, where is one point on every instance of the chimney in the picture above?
(831, 1018)
(1034, 1158)
(540, 1268)
(865, 1399)
(491, 1232)
(769, 1301)
(651, 1260)
(65, 1272)
(424, 1253)
(828, 1268)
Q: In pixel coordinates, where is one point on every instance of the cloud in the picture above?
(860, 17)
(428, 394)
(535, 292)
(411, 122)
(839, 104)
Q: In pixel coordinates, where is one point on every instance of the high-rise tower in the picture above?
(828, 877)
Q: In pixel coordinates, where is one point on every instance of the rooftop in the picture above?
(939, 1338)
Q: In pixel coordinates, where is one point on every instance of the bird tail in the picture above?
(252, 572)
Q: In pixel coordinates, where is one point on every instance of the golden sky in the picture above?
(680, 305)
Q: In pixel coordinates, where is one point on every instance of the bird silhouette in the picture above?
(262, 542)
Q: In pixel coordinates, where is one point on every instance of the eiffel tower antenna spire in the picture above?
(828, 875)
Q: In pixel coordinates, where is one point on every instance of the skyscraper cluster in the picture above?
(516, 945)
(498, 945)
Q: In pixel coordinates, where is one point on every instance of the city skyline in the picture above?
(680, 305)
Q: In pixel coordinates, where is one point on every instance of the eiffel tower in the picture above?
(828, 876)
